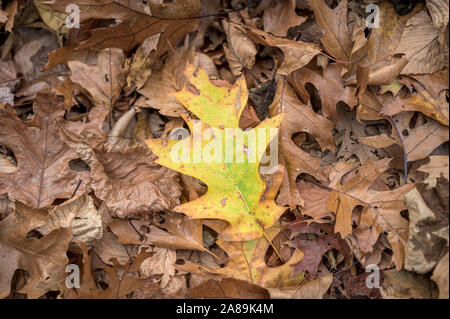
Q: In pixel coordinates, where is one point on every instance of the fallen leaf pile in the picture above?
(92, 176)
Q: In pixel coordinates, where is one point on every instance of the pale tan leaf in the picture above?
(80, 214)
(279, 18)
(420, 43)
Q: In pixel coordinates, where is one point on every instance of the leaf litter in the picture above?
(90, 117)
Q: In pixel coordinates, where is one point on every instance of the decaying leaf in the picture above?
(280, 17)
(139, 21)
(101, 80)
(314, 249)
(404, 284)
(120, 284)
(336, 39)
(44, 259)
(420, 43)
(428, 231)
(381, 209)
(128, 149)
(436, 168)
(43, 172)
(78, 214)
(299, 118)
(297, 54)
(440, 277)
(313, 289)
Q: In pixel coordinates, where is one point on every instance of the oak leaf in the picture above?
(420, 43)
(178, 233)
(43, 172)
(234, 189)
(429, 103)
(336, 39)
(240, 51)
(164, 82)
(436, 168)
(280, 17)
(428, 230)
(80, 215)
(299, 118)
(101, 80)
(296, 54)
(122, 281)
(381, 209)
(44, 259)
(329, 85)
(138, 21)
(314, 250)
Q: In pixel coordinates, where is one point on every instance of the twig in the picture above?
(76, 188)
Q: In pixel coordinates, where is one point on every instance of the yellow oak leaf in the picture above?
(229, 167)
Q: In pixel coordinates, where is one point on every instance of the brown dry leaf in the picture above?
(440, 277)
(381, 209)
(43, 173)
(428, 232)
(436, 168)
(138, 68)
(423, 140)
(355, 141)
(122, 279)
(7, 164)
(315, 249)
(297, 54)
(329, 85)
(228, 288)
(163, 83)
(161, 263)
(240, 51)
(101, 80)
(313, 289)
(382, 66)
(180, 233)
(127, 178)
(11, 10)
(430, 103)
(336, 39)
(138, 21)
(314, 200)
(44, 259)
(420, 43)
(3, 17)
(299, 118)
(405, 285)
(109, 247)
(280, 17)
